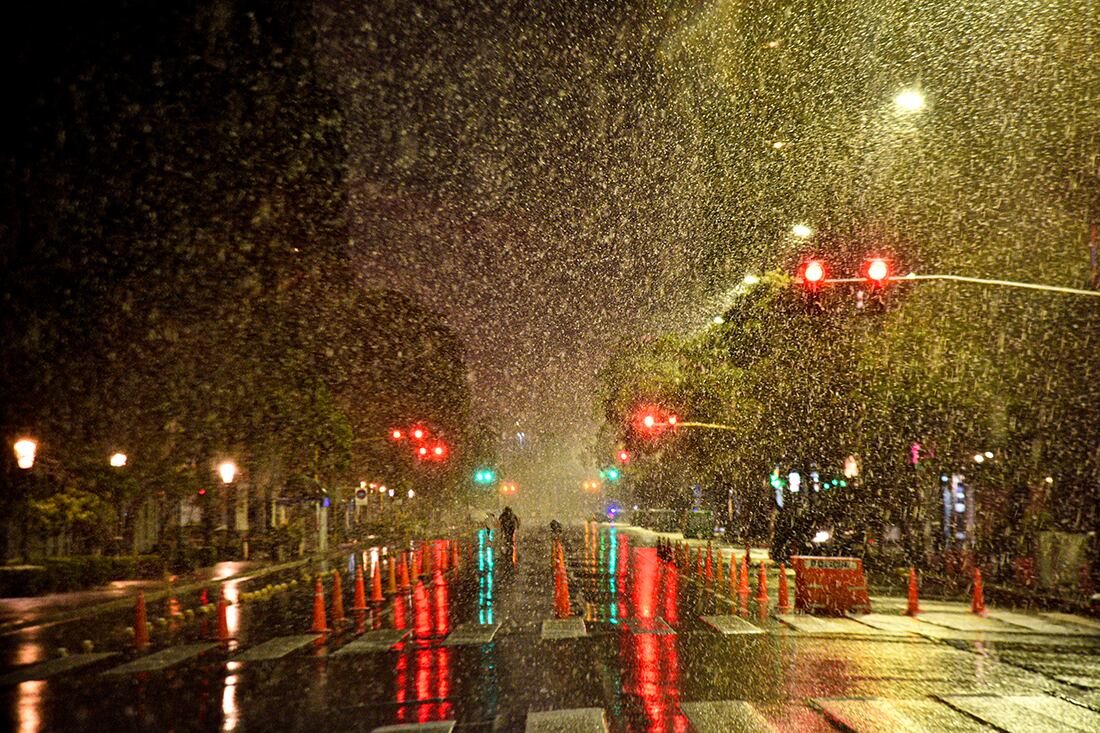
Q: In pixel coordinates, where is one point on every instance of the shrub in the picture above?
(59, 574)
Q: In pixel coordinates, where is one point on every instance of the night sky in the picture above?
(515, 166)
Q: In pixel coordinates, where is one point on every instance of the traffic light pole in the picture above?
(711, 425)
(973, 280)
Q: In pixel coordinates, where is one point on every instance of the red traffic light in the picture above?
(624, 456)
(422, 451)
(878, 270)
(813, 272)
(649, 421)
(672, 420)
(397, 434)
(439, 451)
(418, 433)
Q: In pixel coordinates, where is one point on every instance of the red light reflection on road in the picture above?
(422, 614)
(644, 582)
(653, 675)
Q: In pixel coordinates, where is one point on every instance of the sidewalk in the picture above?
(55, 608)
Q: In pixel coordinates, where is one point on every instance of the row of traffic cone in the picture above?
(710, 570)
(977, 599)
(141, 620)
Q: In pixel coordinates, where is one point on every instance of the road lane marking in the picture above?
(162, 660)
(376, 640)
(725, 716)
(52, 667)
(440, 726)
(879, 715)
(574, 720)
(564, 628)
(729, 625)
(276, 648)
(1026, 713)
(471, 634)
(656, 626)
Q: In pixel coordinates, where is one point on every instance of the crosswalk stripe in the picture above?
(162, 659)
(656, 626)
(564, 628)
(51, 667)
(970, 622)
(823, 625)
(377, 640)
(729, 625)
(725, 716)
(1026, 713)
(439, 726)
(471, 634)
(276, 648)
(573, 720)
(1072, 619)
(1039, 624)
(878, 715)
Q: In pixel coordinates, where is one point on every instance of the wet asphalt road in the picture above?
(647, 660)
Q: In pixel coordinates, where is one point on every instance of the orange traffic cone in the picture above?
(699, 563)
(914, 598)
(743, 587)
(173, 602)
(320, 626)
(141, 630)
(359, 600)
(978, 604)
(418, 562)
(223, 620)
(405, 585)
(376, 585)
(562, 607)
(762, 589)
(718, 572)
(391, 576)
(710, 563)
(784, 592)
(733, 577)
(337, 599)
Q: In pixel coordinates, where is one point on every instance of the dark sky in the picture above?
(515, 165)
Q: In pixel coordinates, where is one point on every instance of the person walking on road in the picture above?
(509, 523)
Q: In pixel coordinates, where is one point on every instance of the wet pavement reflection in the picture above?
(646, 659)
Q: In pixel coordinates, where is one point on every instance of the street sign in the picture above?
(830, 585)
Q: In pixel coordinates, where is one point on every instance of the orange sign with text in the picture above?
(829, 585)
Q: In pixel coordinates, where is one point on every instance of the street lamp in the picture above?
(118, 460)
(411, 493)
(909, 100)
(802, 231)
(228, 471)
(25, 449)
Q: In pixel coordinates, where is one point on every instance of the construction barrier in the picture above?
(830, 585)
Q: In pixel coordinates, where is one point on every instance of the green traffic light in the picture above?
(612, 474)
(484, 476)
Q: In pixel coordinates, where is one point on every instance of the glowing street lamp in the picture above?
(802, 231)
(228, 471)
(118, 460)
(909, 100)
(25, 450)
